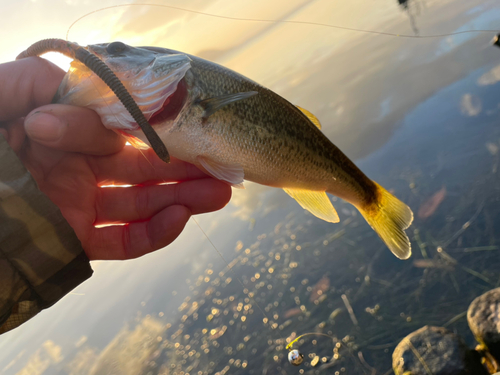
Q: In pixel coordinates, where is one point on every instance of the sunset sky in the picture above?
(272, 44)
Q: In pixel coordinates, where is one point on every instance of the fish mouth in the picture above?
(172, 105)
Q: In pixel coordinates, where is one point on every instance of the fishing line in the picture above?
(295, 357)
(234, 273)
(327, 25)
(267, 320)
(196, 222)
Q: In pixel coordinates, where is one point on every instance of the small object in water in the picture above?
(430, 206)
(315, 361)
(349, 309)
(319, 289)
(496, 40)
(295, 357)
(292, 312)
(433, 263)
(335, 313)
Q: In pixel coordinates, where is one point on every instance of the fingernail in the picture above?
(44, 127)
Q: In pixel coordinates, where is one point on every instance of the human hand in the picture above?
(72, 156)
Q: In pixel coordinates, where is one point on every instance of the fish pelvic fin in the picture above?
(232, 174)
(389, 217)
(316, 202)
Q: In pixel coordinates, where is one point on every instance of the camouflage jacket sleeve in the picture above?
(41, 259)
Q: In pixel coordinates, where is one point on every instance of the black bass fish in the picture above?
(234, 129)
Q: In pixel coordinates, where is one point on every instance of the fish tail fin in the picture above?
(389, 217)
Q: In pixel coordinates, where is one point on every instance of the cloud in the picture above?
(82, 363)
(471, 105)
(127, 353)
(490, 78)
(46, 356)
(82, 340)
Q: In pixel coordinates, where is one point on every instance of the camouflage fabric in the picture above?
(41, 259)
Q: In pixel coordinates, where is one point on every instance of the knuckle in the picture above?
(99, 202)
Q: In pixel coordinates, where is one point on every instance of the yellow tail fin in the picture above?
(389, 217)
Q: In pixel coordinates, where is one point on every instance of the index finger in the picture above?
(132, 167)
(27, 84)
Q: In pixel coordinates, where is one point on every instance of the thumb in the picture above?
(73, 129)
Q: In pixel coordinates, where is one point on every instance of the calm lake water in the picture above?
(418, 115)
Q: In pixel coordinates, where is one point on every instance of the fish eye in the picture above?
(295, 357)
(116, 48)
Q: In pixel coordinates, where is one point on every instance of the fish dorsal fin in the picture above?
(212, 105)
(310, 116)
(316, 202)
(233, 174)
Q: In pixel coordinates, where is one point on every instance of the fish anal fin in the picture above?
(316, 202)
(233, 174)
(389, 217)
(310, 116)
(212, 105)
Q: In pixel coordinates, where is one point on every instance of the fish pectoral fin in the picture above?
(310, 116)
(316, 202)
(134, 141)
(240, 186)
(212, 105)
(233, 174)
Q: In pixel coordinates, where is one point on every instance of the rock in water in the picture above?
(437, 351)
(484, 321)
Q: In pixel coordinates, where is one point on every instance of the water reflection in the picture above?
(490, 78)
(424, 114)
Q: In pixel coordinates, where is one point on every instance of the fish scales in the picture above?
(276, 137)
(235, 130)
